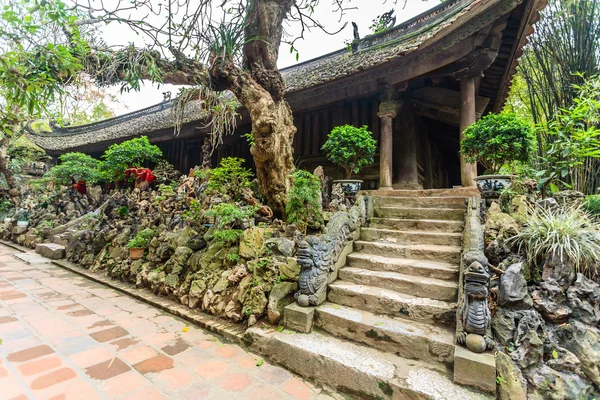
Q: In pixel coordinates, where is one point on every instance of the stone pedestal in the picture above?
(387, 112)
(298, 318)
(468, 171)
(51, 250)
(475, 370)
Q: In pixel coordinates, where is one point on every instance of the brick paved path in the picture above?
(65, 337)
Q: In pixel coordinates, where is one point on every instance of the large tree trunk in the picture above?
(273, 131)
(272, 128)
(260, 89)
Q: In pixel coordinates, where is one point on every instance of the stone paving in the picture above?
(65, 337)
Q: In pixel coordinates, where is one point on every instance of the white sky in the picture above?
(315, 44)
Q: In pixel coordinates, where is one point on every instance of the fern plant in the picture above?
(303, 203)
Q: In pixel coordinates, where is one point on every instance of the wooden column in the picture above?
(427, 159)
(467, 117)
(387, 113)
(407, 173)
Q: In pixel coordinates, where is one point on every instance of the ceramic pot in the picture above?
(23, 224)
(349, 186)
(136, 253)
(491, 186)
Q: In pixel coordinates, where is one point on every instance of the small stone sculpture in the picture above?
(338, 200)
(206, 153)
(317, 257)
(474, 323)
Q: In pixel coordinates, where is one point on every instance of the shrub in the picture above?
(137, 152)
(123, 211)
(6, 208)
(228, 219)
(141, 240)
(230, 178)
(73, 166)
(592, 205)
(497, 139)
(350, 148)
(566, 232)
(303, 203)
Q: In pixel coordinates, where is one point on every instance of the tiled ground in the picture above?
(65, 337)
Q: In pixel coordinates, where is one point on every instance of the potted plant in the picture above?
(22, 217)
(352, 149)
(139, 243)
(5, 210)
(494, 141)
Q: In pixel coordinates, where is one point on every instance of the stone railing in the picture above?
(320, 257)
(473, 319)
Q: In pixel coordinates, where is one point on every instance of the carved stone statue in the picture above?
(206, 153)
(474, 323)
(317, 257)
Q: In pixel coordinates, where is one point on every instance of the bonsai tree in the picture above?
(351, 148)
(496, 140)
(141, 240)
(72, 165)
(137, 152)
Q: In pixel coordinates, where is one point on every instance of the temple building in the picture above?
(416, 86)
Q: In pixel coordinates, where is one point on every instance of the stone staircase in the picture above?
(398, 290)
(387, 327)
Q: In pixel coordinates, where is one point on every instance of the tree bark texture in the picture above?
(257, 85)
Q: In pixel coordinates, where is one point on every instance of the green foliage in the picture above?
(575, 141)
(233, 257)
(136, 152)
(592, 205)
(141, 240)
(303, 203)
(227, 40)
(228, 219)
(6, 208)
(230, 178)
(123, 211)
(566, 232)
(24, 149)
(497, 139)
(230, 215)
(249, 138)
(351, 148)
(77, 166)
(33, 72)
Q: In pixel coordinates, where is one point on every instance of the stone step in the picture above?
(355, 369)
(419, 286)
(389, 302)
(454, 192)
(448, 214)
(407, 266)
(52, 251)
(60, 239)
(411, 237)
(409, 339)
(430, 225)
(447, 254)
(422, 202)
